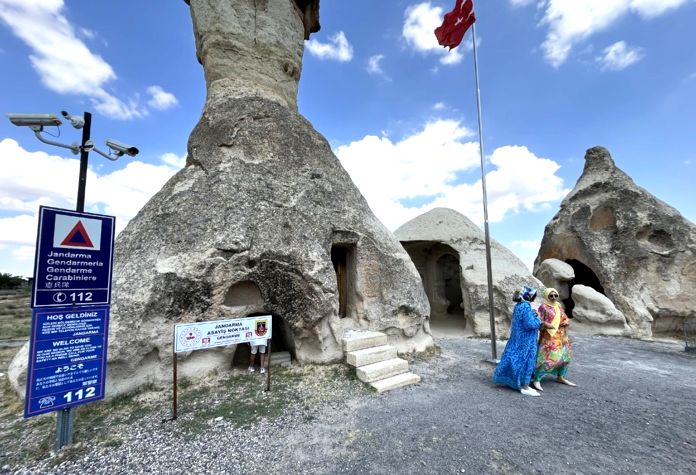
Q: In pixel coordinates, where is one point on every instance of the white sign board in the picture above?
(201, 335)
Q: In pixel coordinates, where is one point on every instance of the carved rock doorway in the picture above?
(441, 274)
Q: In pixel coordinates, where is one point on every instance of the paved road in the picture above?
(634, 411)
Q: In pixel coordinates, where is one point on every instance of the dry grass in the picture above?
(230, 395)
(15, 314)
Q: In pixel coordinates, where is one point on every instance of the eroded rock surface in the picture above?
(431, 237)
(625, 243)
(594, 313)
(556, 274)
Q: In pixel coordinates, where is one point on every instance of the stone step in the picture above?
(370, 355)
(395, 382)
(384, 369)
(281, 358)
(359, 339)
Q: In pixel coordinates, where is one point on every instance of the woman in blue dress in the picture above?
(519, 358)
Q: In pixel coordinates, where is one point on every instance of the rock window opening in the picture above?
(583, 276)
(342, 256)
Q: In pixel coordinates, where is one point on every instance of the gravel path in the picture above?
(634, 411)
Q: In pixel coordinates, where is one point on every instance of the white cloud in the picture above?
(87, 33)
(18, 230)
(571, 22)
(439, 106)
(33, 178)
(521, 3)
(63, 62)
(161, 99)
(338, 48)
(527, 251)
(419, 32)
(403, 179)
(374, 66)
(174, 161)
(533, 244)
(619, 56)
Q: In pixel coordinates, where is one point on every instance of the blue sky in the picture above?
(557, 77)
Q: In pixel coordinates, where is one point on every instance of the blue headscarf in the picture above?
(528, 293)
(525, 293)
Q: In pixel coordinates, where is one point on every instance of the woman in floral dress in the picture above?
(555, 351)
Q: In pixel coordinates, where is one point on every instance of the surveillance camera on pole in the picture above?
(120, 148)
(75, 120)
(34, 120)
(37, 122)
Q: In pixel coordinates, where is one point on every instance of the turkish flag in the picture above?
(455, 24)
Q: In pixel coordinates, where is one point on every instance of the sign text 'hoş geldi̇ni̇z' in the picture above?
(67, 358)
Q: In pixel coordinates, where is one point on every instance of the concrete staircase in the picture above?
(281, 358)
(375, 361)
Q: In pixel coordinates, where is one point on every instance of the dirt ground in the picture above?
(634, 411)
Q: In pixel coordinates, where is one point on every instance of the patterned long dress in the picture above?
(518, 360)
(555, 352)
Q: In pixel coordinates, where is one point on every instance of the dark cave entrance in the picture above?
(441, 274)
(282, 342)
(343, 260)
(583, 276)
(450, 272)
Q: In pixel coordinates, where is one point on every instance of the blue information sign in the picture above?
(74, 254)
(67, 358)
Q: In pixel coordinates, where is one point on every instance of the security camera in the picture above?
(121, 148)
(75, 120)
(34, 120)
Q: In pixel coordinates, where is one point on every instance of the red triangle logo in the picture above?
(77, 237)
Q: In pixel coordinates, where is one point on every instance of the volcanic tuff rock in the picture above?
(251, 224)
(638, 249)
(556, 274)
(594, 313)
(447, 227)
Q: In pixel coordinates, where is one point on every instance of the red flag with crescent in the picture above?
(455, 24)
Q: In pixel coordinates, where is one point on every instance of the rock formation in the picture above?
(263, 218)
(594, 313)
(626, 244)
(449, 252)
(556, 274)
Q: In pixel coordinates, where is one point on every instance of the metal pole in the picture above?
(489, 271)
(268, 377)
(84, 158)
(64, 428)
(174, 387)
(66, 417)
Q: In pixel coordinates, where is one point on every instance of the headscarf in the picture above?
(525, 293)
(528, 293)
(556, 306)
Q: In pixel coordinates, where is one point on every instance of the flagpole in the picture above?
(489, 271)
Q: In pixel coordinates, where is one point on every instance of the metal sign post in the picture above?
(268, 376)
(72, 277)
(174, 386)
(212, 334)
